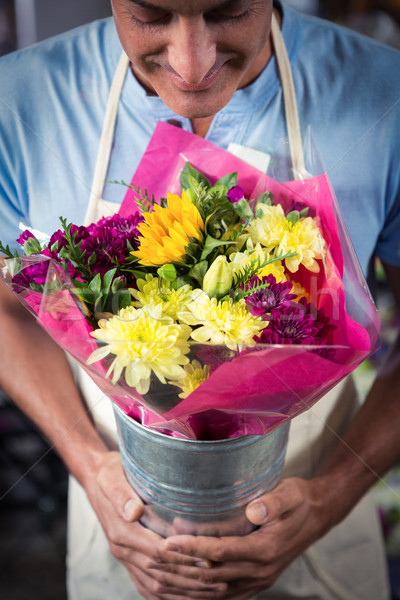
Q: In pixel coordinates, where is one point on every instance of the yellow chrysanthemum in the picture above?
(165, 233)
(221, 322)
(241, 260)
(153, 291)
(195, 374)
(274, 231)
(142, 344)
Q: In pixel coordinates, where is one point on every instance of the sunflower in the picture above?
(166, 231)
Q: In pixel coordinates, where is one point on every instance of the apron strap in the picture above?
(289, 94)
(106, 140)
(107, 136)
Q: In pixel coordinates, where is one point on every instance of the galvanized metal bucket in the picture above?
(199, 487)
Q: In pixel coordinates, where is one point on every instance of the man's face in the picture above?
(195, 54)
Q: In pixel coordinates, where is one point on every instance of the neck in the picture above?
(201, 126)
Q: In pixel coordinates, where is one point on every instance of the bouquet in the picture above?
(220, 306)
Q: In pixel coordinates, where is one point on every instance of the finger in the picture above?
(126, 539)
(170, 554)
(209, 548)
(161, 584)
(220, 572)
(174, 556)
(185, 578)
(190, 572)
(114, 485)
(278, 504)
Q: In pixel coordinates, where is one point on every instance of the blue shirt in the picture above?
(52, 105)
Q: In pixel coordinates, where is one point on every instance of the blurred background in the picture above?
(33, 481)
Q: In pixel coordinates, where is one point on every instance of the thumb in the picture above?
(133, 509)
(113, 484)
(285, 498)
(257, 511)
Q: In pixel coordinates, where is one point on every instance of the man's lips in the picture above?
(204, 84)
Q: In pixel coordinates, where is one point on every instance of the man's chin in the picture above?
(197, 105)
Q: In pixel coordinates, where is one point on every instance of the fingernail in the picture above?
(173, 549)
(203, 564)
(220, 587)
(259, 513)
(130, 509)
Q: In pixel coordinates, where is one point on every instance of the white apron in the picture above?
(349, 562)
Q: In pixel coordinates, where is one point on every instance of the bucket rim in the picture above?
(250, 438)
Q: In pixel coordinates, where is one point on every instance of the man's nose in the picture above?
(191, 49)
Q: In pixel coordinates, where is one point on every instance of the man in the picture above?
(209, 65)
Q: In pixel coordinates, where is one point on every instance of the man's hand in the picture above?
(51, 399)
(137, 548)
(289, 519)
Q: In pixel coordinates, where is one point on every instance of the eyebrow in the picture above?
(149, 6)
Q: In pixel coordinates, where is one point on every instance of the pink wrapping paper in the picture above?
(261, 388)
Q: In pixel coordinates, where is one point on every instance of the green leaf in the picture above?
(304, 212)
(212, 243)
(92, 259)
(192, 250)
(229, 180)
(54, 247)
(129, 246)
(124, 299)
(136, 273)
(218, 192)
(143, 200)
(185, 279)
(293, 217)
(32, 246)
(95, 285)
(243, 209)
(198, 271)
(117, 285)
(187, 172)
(86, 294)
(108, 279)
(266, 198)
(98, 305)
(259, 213)
(167, 272)
(6, 250)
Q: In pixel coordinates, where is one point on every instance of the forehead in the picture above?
(189, 7)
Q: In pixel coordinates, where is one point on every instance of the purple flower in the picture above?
(25, 235)
(276, 295)
(108, 238)
(235, 194)
(125, 227)
(298, 323)
(51, 254)
(33, 274)
(59, 236)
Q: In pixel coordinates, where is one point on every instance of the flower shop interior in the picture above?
(33, 481)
